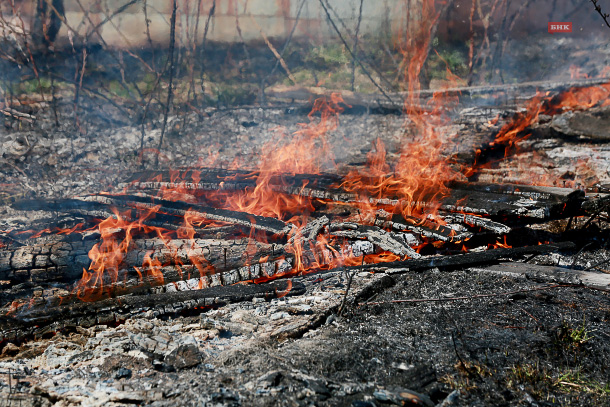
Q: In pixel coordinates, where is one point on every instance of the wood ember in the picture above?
(375, 235)
(461, 260)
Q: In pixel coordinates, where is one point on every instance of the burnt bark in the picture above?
(40, 319)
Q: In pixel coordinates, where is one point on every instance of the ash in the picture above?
(518, 349)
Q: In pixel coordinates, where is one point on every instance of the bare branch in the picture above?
(601, 13)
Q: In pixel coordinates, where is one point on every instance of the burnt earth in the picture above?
(547, 347)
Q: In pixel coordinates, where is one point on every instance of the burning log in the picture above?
(101, 206)
(39, 319)
(463, 260)
(180, 209)
(375, 235)
(543, 203)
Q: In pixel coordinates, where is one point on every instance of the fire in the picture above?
(305, 151)
(409, 188)
(417, 178)
(514, 131)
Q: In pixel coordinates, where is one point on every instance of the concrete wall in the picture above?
(275, 18)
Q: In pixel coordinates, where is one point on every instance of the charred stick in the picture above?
(178, 208)
(172, 44)
(100, 206)
(37, 321)
(461, 260)
(600, 12)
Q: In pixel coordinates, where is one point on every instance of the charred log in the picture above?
(39, 320)
(462, 260)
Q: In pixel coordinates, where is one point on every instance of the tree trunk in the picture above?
(47, 22)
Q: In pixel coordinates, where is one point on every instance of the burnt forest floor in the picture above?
(547, 347)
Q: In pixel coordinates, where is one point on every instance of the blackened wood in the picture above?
(473, 197)
(56, 261)
(394, 102)
(550, 274)
(377, 236)
(428, 229)
(40, 320)
(101, 206)
(463, 260)
(177, 208)
(74, 206)
(64, 261)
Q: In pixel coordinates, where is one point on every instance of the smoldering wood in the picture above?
(64, 260)
(309, 231)
(506, 200)
(179, 209)
(462, 260)
(37, 321)
(549, 274)
(377, 236)
(101, 206)
(484, 223)
(428, 229)
(394, 102)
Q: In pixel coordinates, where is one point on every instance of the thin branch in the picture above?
(203, 46)
(274, 51)
(172, 43)
(366, 72)
(349, 285)
(284, 48)
(600, 12)
(356, 44)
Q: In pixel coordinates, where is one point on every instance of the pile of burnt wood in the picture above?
(163, 246)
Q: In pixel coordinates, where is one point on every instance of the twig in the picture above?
(366, 72)
(78, 85)
(349, 285)
(148, 37)
(274, 51)
(458, 354)
(596, 265)
(601, 13)
(362, 56)
(595, 214)
(356, 44)
(578, 254)
(241, 37)
(416, 300)
(110, 17)
(284, 48)
(172, 41)
(203, 46)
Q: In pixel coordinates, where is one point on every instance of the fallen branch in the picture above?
(469, 297)
(462, 260)
(600, 12)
